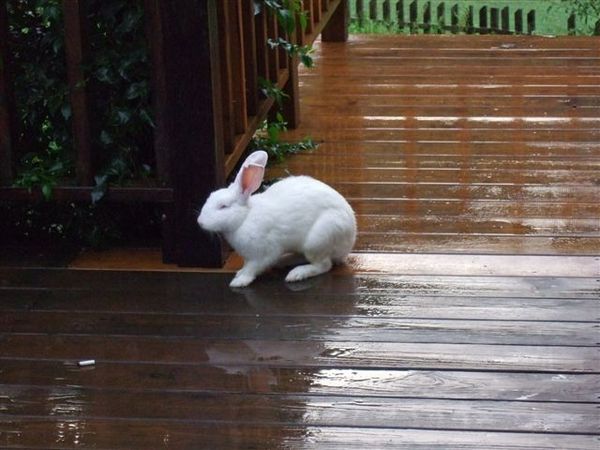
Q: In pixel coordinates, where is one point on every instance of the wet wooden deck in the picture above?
(460, 145)
(468, 318)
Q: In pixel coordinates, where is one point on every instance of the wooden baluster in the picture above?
(7, 115)
(291, 105)
(154, 35)
(250, 57)
(283, 56)
(226, 75)
(262, 50)
(190, 122)
(310, 26)
(317, 11)
(75, 50)
(272, 31)
(236, 53)
(337, 28)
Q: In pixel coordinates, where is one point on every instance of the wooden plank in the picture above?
(481, 42)
(559, 102)
(500, 226)
(478, 244)
(483, 208)
(7, 112)
(213, 284)
(331, 354)
(524, 121)
(517, 151)
(441, 135)
(355, 329)
(307, 410)
(434, 79)
(399, 49)
(382, 263)
(466, 192)
(416, 303)
(76, 56)
(430, 110)
(356, 382)
(445, 175)
(582, 62)
(398, 162)
(135, 434)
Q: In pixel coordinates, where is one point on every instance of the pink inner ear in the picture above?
(252, 178)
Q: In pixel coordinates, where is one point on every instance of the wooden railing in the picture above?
(206, 63)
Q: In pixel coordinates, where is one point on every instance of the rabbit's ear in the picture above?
(252, 172)
(258, 158)
(252, 177)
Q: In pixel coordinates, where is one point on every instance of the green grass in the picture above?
(552, 17)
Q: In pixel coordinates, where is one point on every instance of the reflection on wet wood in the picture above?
(129, 434)
(448, 145)
(313, 410)
(349, 329)
(436, 134)
(361, 382)
(211, 288)
(503, 354)
(336, 354)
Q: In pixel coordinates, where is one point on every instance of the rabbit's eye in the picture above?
(222, 207)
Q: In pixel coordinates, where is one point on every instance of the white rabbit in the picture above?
(295, 215)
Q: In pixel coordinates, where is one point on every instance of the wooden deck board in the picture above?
(481, 161)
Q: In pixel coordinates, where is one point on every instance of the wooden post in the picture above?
(190, 122)
(6, 104)
(75, 50)
(337, 28)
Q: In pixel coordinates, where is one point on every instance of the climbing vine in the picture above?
(267, 136)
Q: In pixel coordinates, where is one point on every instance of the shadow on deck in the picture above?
(468, 318)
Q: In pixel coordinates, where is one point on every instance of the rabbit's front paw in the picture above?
(241, 280)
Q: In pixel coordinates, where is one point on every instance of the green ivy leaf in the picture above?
(66, 111)
(106, 138)
(97, 194)
(257, 7)
(123, 116)
(47, 191)
(303, 19)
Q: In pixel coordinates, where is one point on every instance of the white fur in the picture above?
(295, 215)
